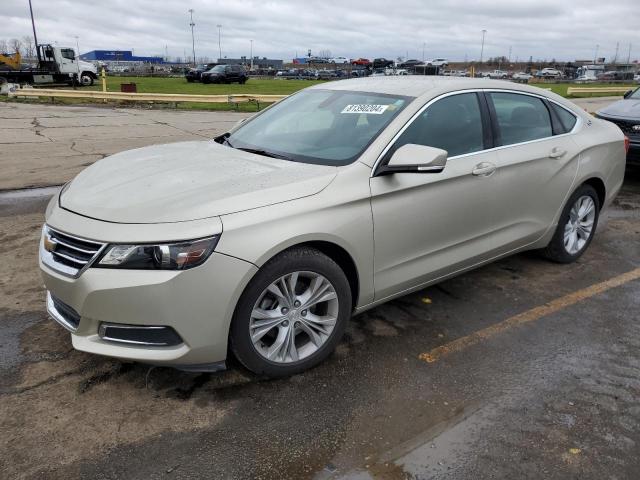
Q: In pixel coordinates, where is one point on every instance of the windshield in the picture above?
(217, 69)
(327, 127)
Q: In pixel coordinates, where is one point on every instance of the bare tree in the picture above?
(29, 47)
(15, 45)
(324, 54)
(3, 46)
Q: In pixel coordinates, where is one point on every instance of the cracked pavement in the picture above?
(43, 145)
(557, 398)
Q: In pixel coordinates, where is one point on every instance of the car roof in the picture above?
(418, 85)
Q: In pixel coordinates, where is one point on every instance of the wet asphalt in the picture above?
(557, 397)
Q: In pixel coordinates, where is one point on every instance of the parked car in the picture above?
(410, 63)
(225, 74)
(615, 75)
(318, 60)
(438, 62)
(262, 241)
(340, 60)
(495, 74)
(382, 63)
(549, 73)
(194, 74)
(625, 114)
(365, 62)
(326, 74)
(521, 77)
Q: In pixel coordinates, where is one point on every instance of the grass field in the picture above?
(258, 86)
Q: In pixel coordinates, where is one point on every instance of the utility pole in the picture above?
(595, 56)
(252, 55)
(220, 40)
(193, 38)
(35, 37)
(629, 58)
(510, 54)
(615, 58)
(424, 44)
(484, 32)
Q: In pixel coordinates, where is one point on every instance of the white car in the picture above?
(339, 60)
(496, 74)
(522, 76)
(549, 73)
(437, 62)
(268, 238)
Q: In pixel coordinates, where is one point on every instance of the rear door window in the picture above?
(520, 118)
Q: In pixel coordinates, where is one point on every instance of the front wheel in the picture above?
(292, 314)
(576, 226)
(86, 79)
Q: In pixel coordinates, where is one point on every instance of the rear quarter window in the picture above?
(521, 118)
(567, 119)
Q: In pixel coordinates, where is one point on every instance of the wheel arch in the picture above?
(336, 252)
(599, 186)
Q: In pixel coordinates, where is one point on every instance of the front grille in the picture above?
(66, 253)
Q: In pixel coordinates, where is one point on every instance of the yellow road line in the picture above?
(529, 316)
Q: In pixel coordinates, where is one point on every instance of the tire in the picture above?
(309, 263)
(557, 250)
(86, 79)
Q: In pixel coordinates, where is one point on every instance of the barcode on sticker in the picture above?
(374, 109)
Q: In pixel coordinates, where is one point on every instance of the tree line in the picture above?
(25, 46)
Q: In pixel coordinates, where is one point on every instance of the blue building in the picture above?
(117, 56)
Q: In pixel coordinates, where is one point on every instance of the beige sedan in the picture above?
(267, 239)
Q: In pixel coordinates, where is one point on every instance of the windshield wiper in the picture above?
(259, 151)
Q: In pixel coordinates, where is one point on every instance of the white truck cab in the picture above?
(65, 61)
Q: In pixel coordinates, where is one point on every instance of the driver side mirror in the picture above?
(412, 158)
(628, 93)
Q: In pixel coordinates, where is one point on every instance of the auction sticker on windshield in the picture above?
(363, 108)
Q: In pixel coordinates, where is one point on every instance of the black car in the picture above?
(382, 63)
(225, 74)
(410, 63)
(626, 115)
(194, 74)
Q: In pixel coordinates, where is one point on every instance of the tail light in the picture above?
(626, 144)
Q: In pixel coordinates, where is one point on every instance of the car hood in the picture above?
(628, 108)
(188, 181)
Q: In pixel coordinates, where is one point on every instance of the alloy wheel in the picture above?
(579, 227)
(294, 317)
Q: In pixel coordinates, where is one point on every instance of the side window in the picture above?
(453, 124)
(521, 118)
(68, 53)
(567, 119)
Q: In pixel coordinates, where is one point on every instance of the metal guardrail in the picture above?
(572, 90)
(146, 97)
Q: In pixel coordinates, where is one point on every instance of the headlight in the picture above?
(167, 256)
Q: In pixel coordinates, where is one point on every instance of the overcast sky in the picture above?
(544, 29)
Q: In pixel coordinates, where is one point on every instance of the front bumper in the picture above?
(197, 304)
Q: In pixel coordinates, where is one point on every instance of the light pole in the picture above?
(78, 57)
(193, 38)
(484, 32)
(424, 44)
(220, 40)
(251, 55)
(35, 37)
(595, 55)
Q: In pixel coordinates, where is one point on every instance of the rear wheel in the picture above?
(292, 314)
(576, 226)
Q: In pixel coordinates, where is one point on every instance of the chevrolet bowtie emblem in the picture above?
(49, 243)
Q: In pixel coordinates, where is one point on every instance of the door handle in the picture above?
(484, 169)
(557, 153)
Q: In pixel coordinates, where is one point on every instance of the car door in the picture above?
(537, 162)
(429, 224)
